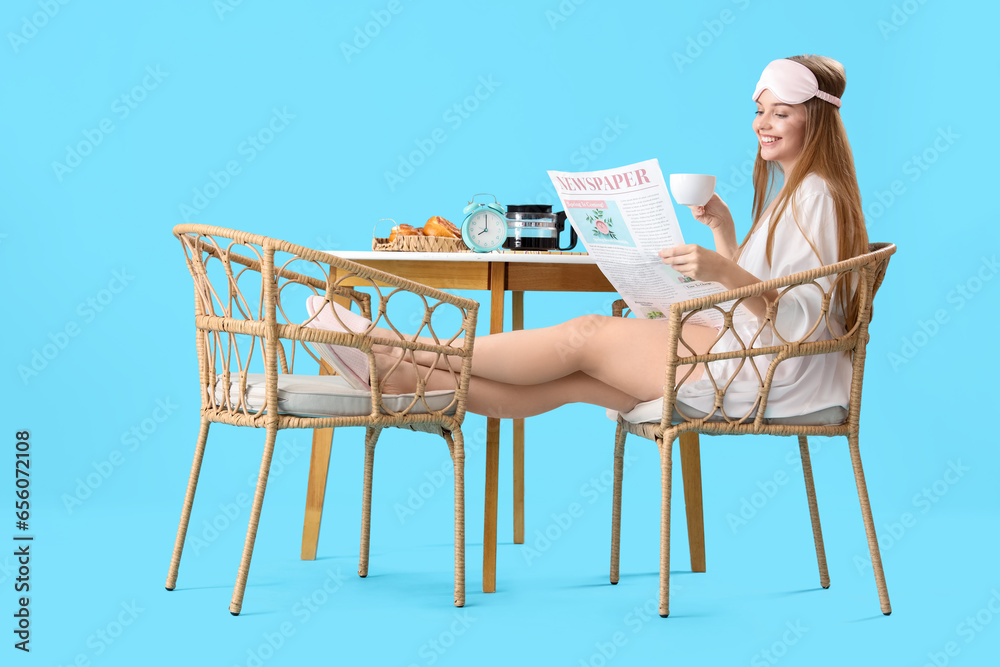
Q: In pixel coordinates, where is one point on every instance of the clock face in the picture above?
(487, 229)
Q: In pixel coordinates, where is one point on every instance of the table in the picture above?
(497, 272)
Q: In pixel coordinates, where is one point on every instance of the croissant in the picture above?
(403, 230)
(438, 226)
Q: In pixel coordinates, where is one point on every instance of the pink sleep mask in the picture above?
(792, 83)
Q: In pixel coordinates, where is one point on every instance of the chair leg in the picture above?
(456, 443)
(691, 473)
(199, 454)
(866, 513)
(807, 473)
(371, 437)
(666, 454)
(319, 468)
(616, 501)
(258, 500)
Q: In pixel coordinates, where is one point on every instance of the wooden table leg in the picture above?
(319, 465)
(691, 469)
(517, 323)
(498, 279)
(490, 510)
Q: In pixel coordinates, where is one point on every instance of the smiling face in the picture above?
(780, 129)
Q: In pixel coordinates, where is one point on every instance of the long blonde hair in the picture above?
(826, 153)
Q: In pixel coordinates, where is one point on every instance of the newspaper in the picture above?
(624, 217)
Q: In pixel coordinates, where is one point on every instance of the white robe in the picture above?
(801, 385)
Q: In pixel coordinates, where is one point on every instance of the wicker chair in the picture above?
(865, 272)
(250, 294)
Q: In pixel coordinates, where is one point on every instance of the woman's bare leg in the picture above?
(626, 354)
(510, 401)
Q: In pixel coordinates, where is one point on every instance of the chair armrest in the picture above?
(764, 286)
(861, 273)
(365, 342)
(303, 253)
(374, 275)
(242, 279)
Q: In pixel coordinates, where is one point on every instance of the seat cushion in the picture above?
(326, 396)
(652, 411)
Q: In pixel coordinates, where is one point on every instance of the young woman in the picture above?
(814, 218)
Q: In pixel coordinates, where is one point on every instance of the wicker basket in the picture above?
(419, 244)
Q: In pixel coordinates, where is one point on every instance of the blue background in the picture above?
(536, 84)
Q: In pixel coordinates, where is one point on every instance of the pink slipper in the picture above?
(349, 362)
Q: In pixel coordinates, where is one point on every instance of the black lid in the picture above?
(529, 208)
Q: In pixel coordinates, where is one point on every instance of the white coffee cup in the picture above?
(692, 189)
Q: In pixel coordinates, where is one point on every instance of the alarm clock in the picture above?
(485, 226)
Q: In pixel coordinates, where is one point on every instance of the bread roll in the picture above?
(403, 230)
(438, 226)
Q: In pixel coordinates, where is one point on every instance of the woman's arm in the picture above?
(797, 247)
(700, 263)
(715, 214)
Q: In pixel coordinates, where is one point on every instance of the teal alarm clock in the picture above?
(485, 226)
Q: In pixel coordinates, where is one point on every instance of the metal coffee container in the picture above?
(536, 227)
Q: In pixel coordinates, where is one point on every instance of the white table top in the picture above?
(548, 257)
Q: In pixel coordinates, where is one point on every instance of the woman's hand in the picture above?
(715, 214)
(698, 263)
